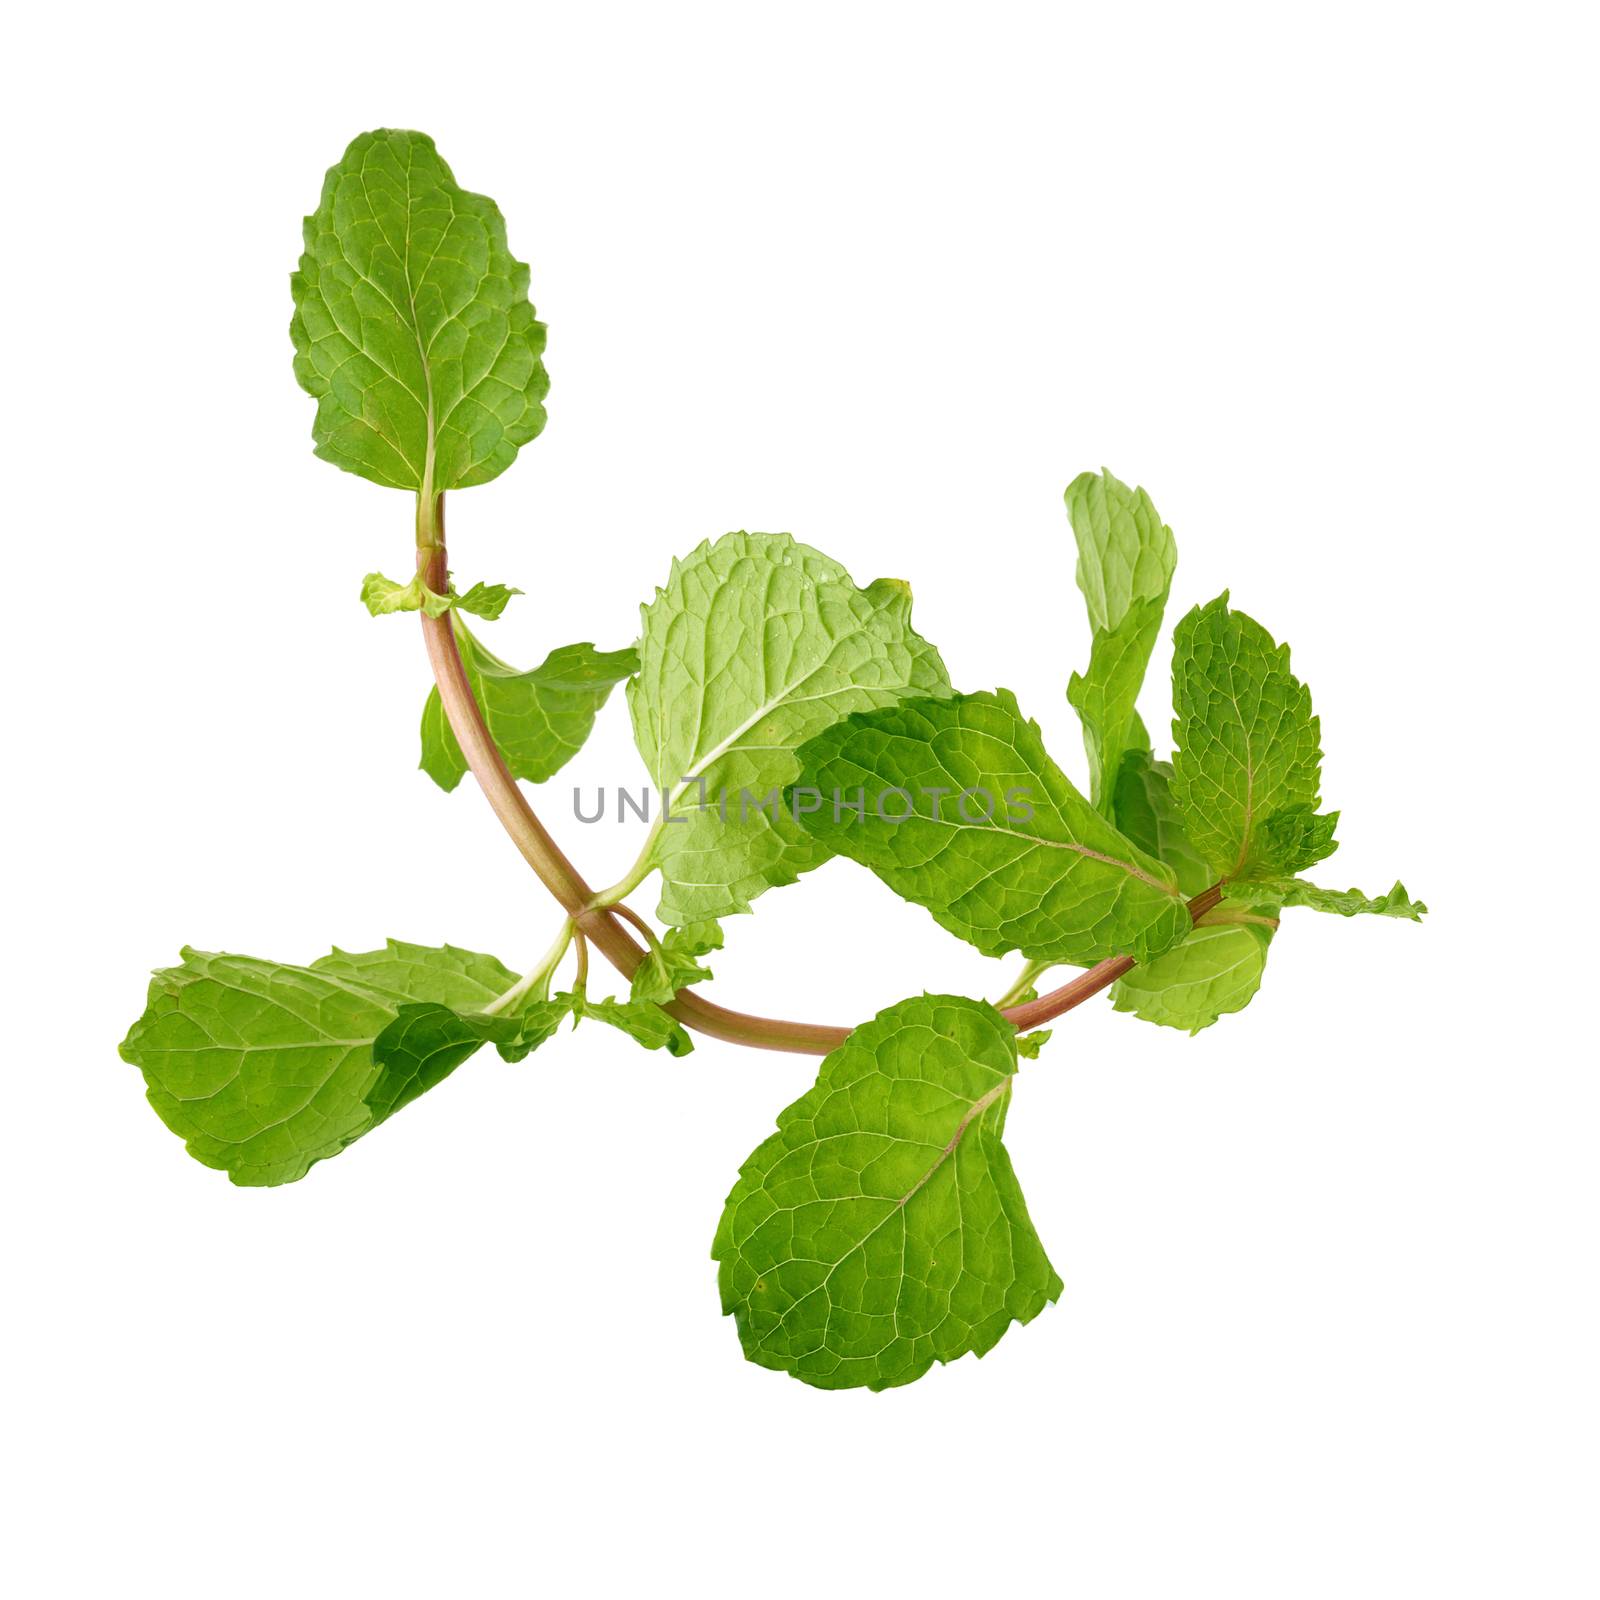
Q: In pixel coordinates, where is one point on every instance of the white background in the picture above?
(1323, 281)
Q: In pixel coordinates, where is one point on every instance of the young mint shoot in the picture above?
(785, 716)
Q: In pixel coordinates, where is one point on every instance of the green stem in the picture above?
(1026, 979)
(628, 914)
(635, 875)
(537, 975)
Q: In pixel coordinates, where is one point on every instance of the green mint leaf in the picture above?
(1299, 837)
(422, 1046)
(539, 718)
(1104, 697)
(444, 974)
(1126, 558)
(382, 596)
(1341, 902)
(421, 1032)
(673, 964)
(693, 939)
(995, 841)
(527, 1025)
(264, 1069)
(1247, 745)
(642, 1020)
(486, 600)
(756, 643)
(1125, 553)
(1145, 811)
(882, 1228)
(1214, 971)
(534, 1022)
(440, 993)
(1030, 1044)
(412, 326)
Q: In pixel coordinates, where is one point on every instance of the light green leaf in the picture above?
(264, 1069)
(1126, 558)
(995, 841)
(441, 995)
(1145, 811)
(1341, 902)
(1104, 697)
(425, 1043)
(526, 1025)
(533, 1022)
(882, 1228)
(446, 975)
(1298, 837)
(673, 964)
(1214, 971)
(539, 718)
(383, 596)
(1125, 553)
(756, 643)
(1247, 746)
(412, 326)
(1030, 1044)
(642, 1021)
(486, 600)
(515, 1032)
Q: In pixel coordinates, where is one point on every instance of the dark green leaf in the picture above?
(1247, 746)
(539, 719)
(993, 838)
(882, 1228)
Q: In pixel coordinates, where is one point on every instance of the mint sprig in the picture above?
(785, 716)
